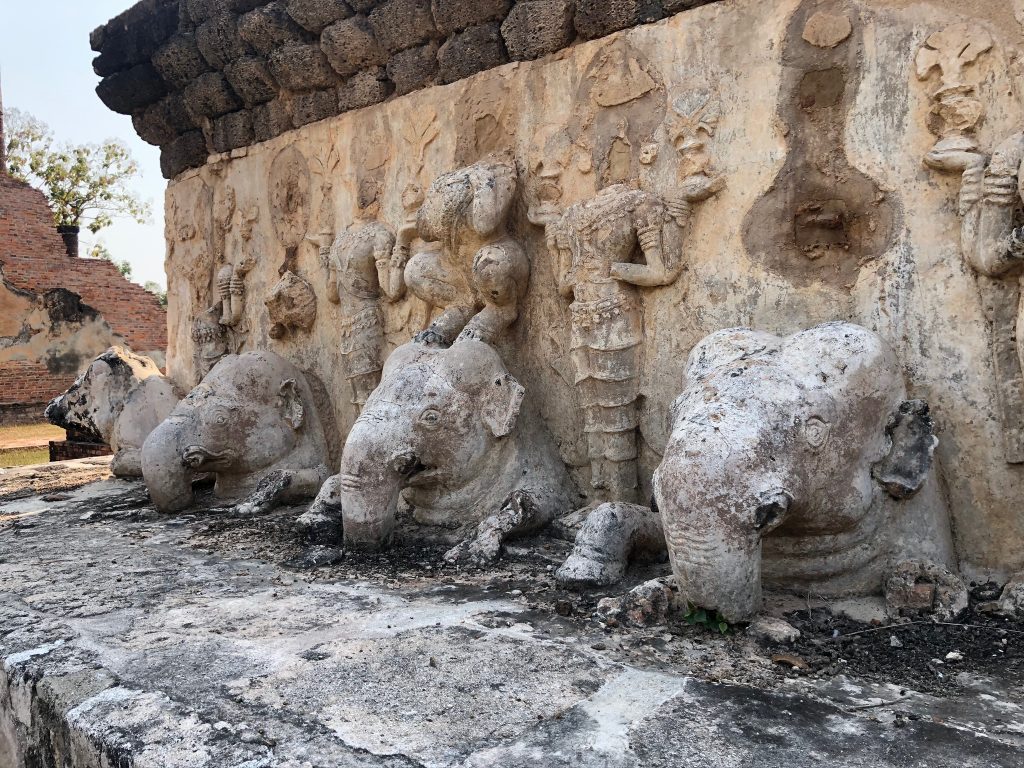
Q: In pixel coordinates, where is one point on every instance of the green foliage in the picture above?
(87, 184)
(154, 287)
(711, 620)
(100, 251)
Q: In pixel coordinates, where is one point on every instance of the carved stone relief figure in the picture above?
(291, 306)
(594, 244)
(991, 239)
(956, 110)
(472, 269)
(290, 196)
(220, 330)
(358, 265)
(252, 424)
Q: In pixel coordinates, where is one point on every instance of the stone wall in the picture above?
(207, 76)
(818, 124)
(57, 313)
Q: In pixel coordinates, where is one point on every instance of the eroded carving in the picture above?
(769, 469)
(120, 398)
(291, 306)
(822, 218)
(443, 431)
(992, 244)
(471, 269)
(253, 424)
(290, 195)
(956, 110)
(358, 265)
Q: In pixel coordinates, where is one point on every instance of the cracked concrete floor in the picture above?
(133, 639)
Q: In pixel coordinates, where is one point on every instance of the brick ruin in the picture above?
(57, 312)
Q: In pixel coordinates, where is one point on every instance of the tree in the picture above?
(87, 184)
(154, 287)
(100, 251)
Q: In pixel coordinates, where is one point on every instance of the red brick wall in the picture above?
(33, 259)
(22, 381)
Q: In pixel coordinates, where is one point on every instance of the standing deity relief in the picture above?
(221, 329)
(358, 274)
(991, 238)
(594, 244)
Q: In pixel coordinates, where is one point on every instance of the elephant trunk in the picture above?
(373, 473)
(714, 540)
(715, 573)
(168, 476)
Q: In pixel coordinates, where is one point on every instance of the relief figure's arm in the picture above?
(389, 274)
(988, 198)
(661, 268)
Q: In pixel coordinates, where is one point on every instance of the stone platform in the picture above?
(134, 639)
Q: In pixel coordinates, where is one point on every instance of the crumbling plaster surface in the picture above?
(132, 638)
(916, 292)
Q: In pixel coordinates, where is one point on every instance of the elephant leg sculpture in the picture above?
(610, 537)
(443, 432)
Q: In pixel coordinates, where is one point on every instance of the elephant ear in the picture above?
(290, 402)
(501, 402)
(911, 433)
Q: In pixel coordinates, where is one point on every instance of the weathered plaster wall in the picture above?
(853, 131)
(57, 313)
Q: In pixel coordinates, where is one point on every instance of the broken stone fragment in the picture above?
(645, 605)
(920, 588)
(1011, 602)
(773, 630)
(827, 30)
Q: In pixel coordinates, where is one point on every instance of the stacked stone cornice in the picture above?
(201, 77)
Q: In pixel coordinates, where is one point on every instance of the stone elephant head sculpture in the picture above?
(795, 459)
(120, 398)
(252, 420)
(442, 429)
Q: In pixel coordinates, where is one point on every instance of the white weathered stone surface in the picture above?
(128, 637)
(798, 461)
(121, 397)
(827, 213)
(253, 425)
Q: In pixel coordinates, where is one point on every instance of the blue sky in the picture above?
(46, 68)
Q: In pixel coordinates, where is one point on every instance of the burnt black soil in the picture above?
(990, 646)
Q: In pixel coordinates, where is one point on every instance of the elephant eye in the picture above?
(430, 418)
